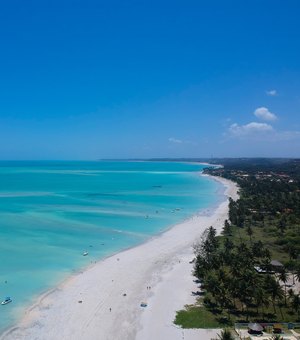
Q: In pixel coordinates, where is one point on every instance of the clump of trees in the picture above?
(262, 224)
(231, 284)
(269, 200)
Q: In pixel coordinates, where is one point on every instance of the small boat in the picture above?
(144, 304)
(6, 301)
(85, 253)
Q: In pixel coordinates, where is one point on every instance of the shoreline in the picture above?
(79, 308)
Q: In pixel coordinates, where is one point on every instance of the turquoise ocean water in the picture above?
(51, 212)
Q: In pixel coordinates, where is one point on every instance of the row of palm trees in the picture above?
(233, 286)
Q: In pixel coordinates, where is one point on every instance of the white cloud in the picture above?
(271, 93)
(261, 131)
(249, 129)
(264, 114)
(175, 140)
(180, 141)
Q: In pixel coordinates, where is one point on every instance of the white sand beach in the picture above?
(103, 302)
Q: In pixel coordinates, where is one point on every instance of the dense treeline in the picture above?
(232, 285)
(263, 225)
(269, 200)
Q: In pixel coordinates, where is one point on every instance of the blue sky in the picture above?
(122, 79)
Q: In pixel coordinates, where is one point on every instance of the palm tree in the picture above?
(296, 304)
(292, 251)
(297, 273)
(223, 294)
(274, 290)
(258, 296)
(282, 225)
(291, 294)
(283, 277)
(211, 238)
(212, 284)
(291, 266)
(227, 228)
(246, 289)
(266, 260)
(226, 335)
(258, 249)
(261, 298)
(250, 233)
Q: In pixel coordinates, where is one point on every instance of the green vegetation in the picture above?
(197, 317)
(269, 206)
(239, 279)
(226, 335)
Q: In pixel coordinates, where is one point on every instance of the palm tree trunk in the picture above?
(281, 313)
(285, 294)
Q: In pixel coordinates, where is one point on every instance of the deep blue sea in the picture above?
(51, 212)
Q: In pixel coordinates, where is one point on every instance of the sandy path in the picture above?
(162, 263)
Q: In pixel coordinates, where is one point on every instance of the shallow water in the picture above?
(51, 212)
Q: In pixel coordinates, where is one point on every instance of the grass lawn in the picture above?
(198, 317)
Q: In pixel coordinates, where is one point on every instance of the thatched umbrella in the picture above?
(255, 328)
